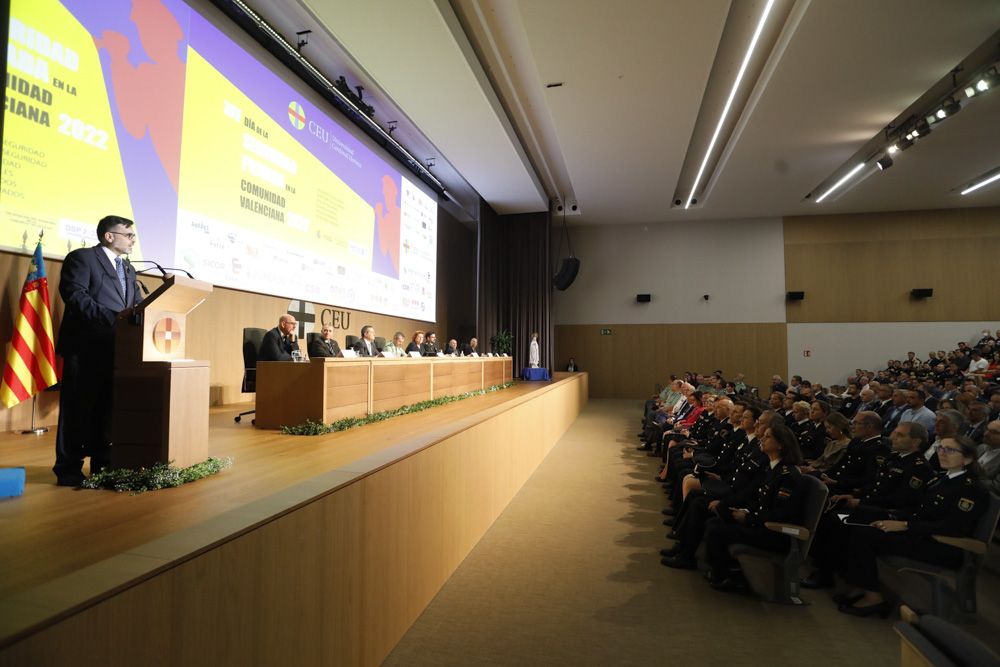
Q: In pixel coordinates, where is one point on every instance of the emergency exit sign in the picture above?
(605, 332)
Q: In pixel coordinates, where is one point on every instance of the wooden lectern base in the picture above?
(160, 414)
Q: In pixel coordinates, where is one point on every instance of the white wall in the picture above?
(838, 349)
(739, 263)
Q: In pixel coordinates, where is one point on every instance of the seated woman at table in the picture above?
(417, 344)
(952, 506)
(397, 347)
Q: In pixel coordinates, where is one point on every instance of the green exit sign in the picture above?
(605, 332)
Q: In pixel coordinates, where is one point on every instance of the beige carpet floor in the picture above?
(570, 575)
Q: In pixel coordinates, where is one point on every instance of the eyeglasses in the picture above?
(129, 235)
(950, 450)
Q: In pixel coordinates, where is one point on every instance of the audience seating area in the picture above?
(881, 488)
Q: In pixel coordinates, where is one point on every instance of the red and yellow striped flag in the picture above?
(31, 357)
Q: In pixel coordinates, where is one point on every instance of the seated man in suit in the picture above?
(325, 345)
(280, 342)
(472, 348)
(452, 349)
(366, 346)
(96, 284)
(429, 348)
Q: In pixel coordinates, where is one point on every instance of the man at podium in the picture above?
(96, 284)
(279, 342)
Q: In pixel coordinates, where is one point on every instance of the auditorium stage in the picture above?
(310, 550)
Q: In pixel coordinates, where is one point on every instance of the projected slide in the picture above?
(146, 110)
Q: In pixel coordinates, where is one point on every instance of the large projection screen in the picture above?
(145, 109)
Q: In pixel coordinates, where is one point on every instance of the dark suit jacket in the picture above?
(323, 348)
(90, 289)
(467, 350)
(429, 349)
(275, 347)
(362, 349)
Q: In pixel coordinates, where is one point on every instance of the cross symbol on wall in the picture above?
(304, 313)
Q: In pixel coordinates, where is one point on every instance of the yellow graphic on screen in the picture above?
(240, 167)
(62, 169)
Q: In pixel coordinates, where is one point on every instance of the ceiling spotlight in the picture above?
(921, 129)
(970, 91)
(950, 107)
(892, 150)
(904, 143)
(939, 114)
(884, 162)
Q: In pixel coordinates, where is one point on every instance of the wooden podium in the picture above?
(160, 400)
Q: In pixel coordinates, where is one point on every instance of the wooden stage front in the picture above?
(311, 550)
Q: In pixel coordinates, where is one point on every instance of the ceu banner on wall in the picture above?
(145, 109)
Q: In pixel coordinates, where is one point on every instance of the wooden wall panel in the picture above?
(861, 268)
(635, 357)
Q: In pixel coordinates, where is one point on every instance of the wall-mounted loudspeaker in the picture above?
(567, 273)
(795, 296)
(921, 293)
(643, 298)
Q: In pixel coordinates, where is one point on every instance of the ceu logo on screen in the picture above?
(296, 115)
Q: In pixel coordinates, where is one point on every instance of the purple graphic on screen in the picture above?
(358, 167)
(143, 52)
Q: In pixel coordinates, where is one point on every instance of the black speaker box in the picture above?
(643, 298)
(795, 296)
(567, 273)
(921, 293)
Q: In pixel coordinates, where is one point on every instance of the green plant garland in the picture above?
(158, 476)
(310, 427)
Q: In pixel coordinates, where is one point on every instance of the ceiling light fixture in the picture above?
(892, 150)
(846, 178)
(884, 162)
(729, 101)
(982, 183)
(949, 108)
(904, 143)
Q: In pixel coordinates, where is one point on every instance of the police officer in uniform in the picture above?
(864, 456)
(952, 506)
(900, 487)
(779, 498)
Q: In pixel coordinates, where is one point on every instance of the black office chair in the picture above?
(351, 342)
(252, 338)
(310, 337)
(379, 343)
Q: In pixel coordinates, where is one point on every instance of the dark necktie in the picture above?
(120, 270)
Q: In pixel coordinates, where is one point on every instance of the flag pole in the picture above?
(35, 430)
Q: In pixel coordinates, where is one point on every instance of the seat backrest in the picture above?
(310, 337)
(351, 340)
(812, 506)
(988, 523)
(379, 342)
(252, 338)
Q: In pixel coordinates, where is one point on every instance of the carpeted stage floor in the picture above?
(570, 574)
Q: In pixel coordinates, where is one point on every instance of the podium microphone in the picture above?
(147, 261)
(162, 269)
(142, 285)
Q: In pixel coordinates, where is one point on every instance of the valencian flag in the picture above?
(31, 357)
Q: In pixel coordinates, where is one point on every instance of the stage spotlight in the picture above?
(884, 162)
(892, 150)
(921, 129)
(949, 108)
(904, 143)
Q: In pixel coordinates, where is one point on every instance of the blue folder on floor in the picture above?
(11, 482)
